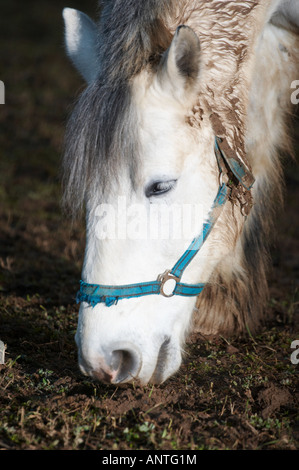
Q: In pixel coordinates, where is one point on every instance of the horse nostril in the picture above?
(126, 362)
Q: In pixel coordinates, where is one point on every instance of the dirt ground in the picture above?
(235, 394)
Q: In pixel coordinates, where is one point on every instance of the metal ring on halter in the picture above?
(164, 278)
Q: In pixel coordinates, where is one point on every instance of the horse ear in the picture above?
(287, 15)
(180, 66)
(80, 42)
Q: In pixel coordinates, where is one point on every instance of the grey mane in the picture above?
(101, 135)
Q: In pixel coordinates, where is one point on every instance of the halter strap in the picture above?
(110, 295)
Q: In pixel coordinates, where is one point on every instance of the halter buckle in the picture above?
(167, 278)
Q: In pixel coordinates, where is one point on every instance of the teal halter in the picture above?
(110, 295)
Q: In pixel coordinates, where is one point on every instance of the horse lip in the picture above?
(102, 375)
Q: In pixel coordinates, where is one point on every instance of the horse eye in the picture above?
(159, 187)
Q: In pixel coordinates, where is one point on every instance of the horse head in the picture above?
(159, 191)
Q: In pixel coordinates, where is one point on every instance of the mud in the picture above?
(239, 393)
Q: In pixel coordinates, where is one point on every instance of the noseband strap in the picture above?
(169, 283)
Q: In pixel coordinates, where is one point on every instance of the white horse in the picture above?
(165, 79)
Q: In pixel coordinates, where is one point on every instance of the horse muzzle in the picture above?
(123, 362)
(119, 362)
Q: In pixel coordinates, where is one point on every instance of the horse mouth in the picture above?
(127, 366)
